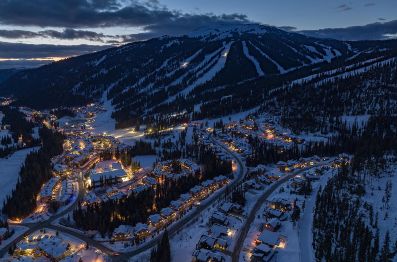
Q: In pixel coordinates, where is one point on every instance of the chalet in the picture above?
(262, 253)
(272, 225)
(167, 212)
(195, 191)
(155, 220)
(212, 243)
(271, 239)
(281, 204)
(205, 255)
(218, 231)
(218, 218)
(141, 230)
(207, 183)
(176, 205)
(123, 232)
(186, 198)
(231, 208)
(274, 213)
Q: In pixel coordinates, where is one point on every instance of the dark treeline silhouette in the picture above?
(354, 140)
(36, 170)
(346, 226)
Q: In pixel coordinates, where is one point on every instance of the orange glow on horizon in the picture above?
(51, 58)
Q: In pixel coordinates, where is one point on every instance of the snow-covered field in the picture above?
(9, 171)
(146, 161)
(18, 230)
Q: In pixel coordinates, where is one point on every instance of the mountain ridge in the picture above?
(164, 76)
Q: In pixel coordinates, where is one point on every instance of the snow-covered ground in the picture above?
(18, 230)
(184, 243)
(103, 121)
(57, 244)
(146, 161)
(298, 235)
(9, 171)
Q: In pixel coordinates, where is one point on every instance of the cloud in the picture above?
(16, 34)
(29, 51)
(344, 8)
(374, 31)
(105, 13)
(69, 34)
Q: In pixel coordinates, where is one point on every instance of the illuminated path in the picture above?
(172, 229)
(258, 204)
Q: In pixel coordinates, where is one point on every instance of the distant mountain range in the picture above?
(210, 72)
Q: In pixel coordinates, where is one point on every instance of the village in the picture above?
(93, 169)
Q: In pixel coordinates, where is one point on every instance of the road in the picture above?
(45, 224)
(173, 229)
(258, 204)
(177, 226)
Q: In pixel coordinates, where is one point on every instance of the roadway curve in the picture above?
(173, 229)
(255, 209)
(177, 226)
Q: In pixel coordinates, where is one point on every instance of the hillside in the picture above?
(208, 73)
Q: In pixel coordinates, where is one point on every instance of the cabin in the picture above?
(218, 231)
(141, 230)
(271, 239)
(218, 218)
(273, 225)
(274, 213)
(123, 232)
(155, 220)
(212, 243)
(205, 255)
(281, 204)
(262, 253)
(231, 208)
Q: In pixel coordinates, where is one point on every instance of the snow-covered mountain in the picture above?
(194, 75)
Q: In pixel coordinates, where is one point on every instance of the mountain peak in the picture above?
(229, 29)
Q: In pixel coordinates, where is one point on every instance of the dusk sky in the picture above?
(38, 29)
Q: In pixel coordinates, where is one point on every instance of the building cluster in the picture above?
(177, 208)
(106, 173)
(174, 169)
(269, 240)
(213, 245)
(51, 245)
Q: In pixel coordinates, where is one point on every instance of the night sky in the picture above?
(53, 29)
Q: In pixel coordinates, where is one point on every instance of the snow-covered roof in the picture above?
(218, 230)
(154, 218)
(269, 238)
(118, 173)
(53, 245)
(165, 212)
(123, 230)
